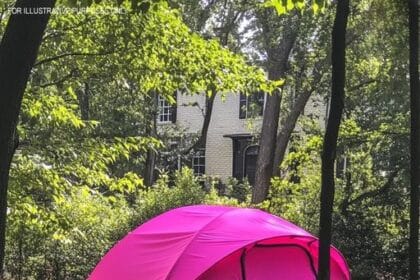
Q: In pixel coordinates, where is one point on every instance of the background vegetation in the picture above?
(87, 127)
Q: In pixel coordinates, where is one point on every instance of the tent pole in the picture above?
(243, 271)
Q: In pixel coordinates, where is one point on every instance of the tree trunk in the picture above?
(18, 51)
(277, 66)
(286, 131)
(226, 27)
(149, 170)
(83, 96)
(415, 138)
(202, 140)
(338, 58)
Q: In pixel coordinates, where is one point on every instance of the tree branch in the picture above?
(362, 84)
(50, 59)
(56, 33)
(63, 79)
(385, 187)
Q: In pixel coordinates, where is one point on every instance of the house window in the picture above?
(167, 111)
(251, 105)
(199, 163)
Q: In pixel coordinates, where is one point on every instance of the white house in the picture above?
(231, 145)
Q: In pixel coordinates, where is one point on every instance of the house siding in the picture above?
(190, 116)
(225, 120)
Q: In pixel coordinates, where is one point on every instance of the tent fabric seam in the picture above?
(253, 243)
(230, 209)
(190, 242)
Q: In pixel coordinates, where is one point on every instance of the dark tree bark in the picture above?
(338, 58)
(277, 59)
(286, 131)
(151, 130)
(202, 140)
(18, 51)
(283, 137)
(415, 138)
(266, 151)
(149, 170)
(83, 96)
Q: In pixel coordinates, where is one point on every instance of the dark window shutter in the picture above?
(174, 109)
(242, 106)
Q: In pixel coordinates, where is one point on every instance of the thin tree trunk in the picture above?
(202, 140)
(266, 151)
(415, 138)
(338, 57)
(83, 96)
(277, 66)
(286, 131)
(18, 51)
(223, 37)
(149, 170)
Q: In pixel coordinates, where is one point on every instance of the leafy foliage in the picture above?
(88, 117)
(369, 208)
(284, 6)
(76, 182)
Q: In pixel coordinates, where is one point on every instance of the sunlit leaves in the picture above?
(285, 6)
(183, 60)
(75, 174)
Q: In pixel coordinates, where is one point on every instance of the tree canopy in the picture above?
(87, 125)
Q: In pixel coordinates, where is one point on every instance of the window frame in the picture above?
(198, 160)
(245, 101)
(166, 111)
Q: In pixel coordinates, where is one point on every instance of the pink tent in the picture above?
(216, 243)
